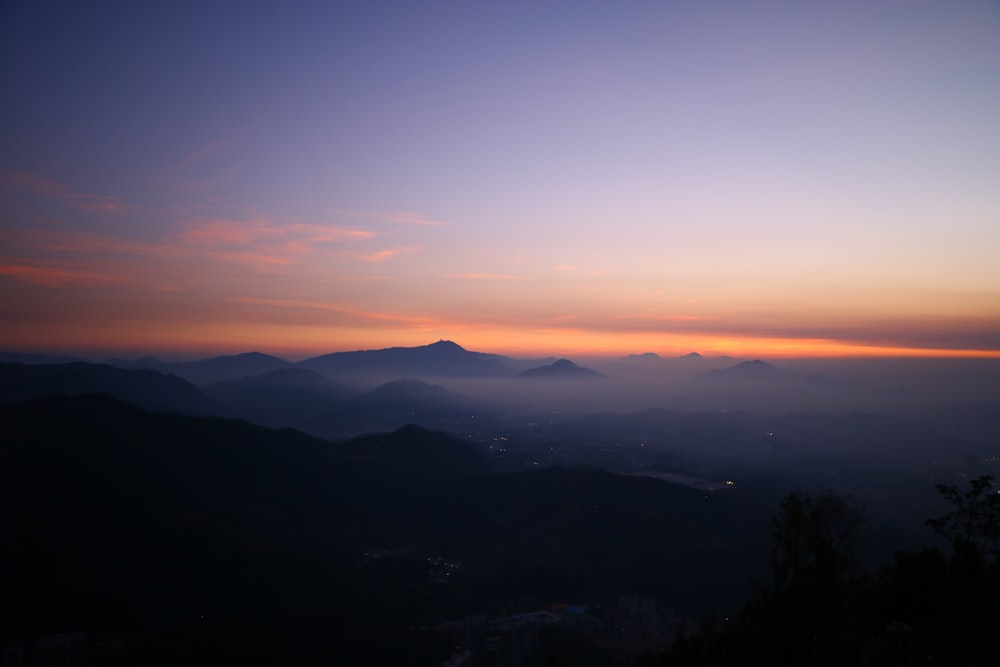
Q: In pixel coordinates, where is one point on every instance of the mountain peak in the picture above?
(446, 346)
(561, 368)
(755, 369)
(645, 356)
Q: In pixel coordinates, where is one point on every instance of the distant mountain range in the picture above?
(652, 356)
(443, 358)
(209, 370)
(436, 360)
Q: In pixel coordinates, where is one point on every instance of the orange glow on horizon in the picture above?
(299, 341)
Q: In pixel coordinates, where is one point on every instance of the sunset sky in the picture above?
(771, 178)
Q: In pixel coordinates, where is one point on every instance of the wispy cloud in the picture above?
(298, 236)
(202, 153)
(59, 240)
(411, 218)
(484, 276)
(388, 253)
(55, 276)
(46, 188)
(398, 217)
(349, 312)
(267, 244)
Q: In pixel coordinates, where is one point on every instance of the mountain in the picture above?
(284, 397)
(407, 395)
(443, 358)
(747, 370)
(26, 358)
(402, 401)
(181, 537)
(413, 451)
(228, 367)
(560, 369)
(692, 356)
(171, 539)
(144, 388)
(147, 362)
(645, 356)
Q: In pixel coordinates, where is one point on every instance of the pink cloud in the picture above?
(296, 238)
(45, 188)
(354, 313)
(51, 276)
(388, 253)
(255, 259)
(203, 152)
(411, 218)
(484, 276)
(397, 217)
(80, 242)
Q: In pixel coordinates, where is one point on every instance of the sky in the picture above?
(774, 178)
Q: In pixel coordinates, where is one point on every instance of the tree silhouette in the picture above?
(975, 521)
(813, 539)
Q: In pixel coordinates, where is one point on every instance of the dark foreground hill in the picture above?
(210, 541)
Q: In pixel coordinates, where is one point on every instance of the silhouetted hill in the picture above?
(747, 370)
(228, 367)
(443, 358)
(395, 404)
(162, 528)
(562, 368)
(284, 397)
(147, 362)
(26, 358)
(144, 388)
(567, 533)
(413, 451)
(693, 356)
(645, 356)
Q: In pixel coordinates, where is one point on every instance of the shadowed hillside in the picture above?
(168, 528)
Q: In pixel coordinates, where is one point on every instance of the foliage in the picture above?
(926, 608)
(975, 520)
(814, 539)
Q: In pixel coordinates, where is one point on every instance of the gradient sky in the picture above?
(783, 178)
